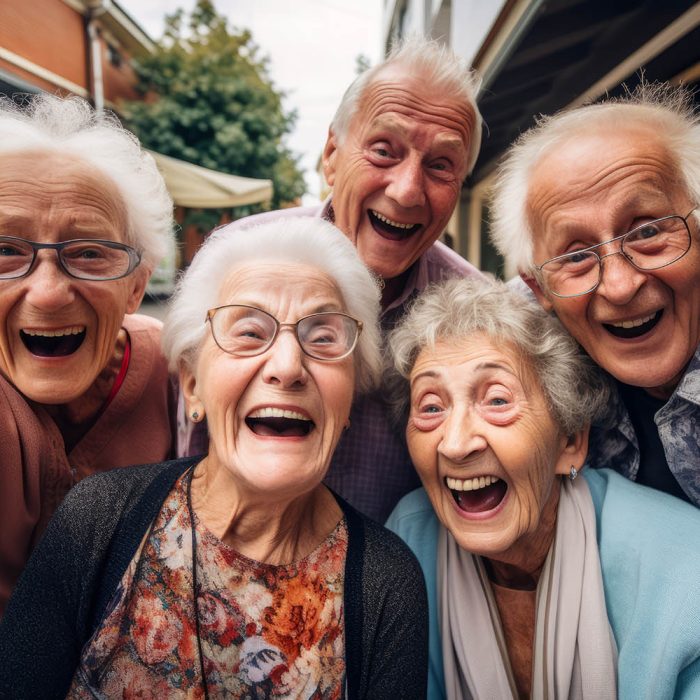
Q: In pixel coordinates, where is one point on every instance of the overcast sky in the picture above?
(312, 46)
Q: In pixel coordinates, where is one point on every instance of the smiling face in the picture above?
(641, 326)
(58, 333)
(485, 446)
(397, 173)
(274, 419)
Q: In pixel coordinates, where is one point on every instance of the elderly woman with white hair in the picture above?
(543, 582)
(84, 219)
(238, 574)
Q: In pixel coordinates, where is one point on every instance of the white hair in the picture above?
(71, 126)
(668, 110)
(446, 72)
(574, 388)
(299, 240)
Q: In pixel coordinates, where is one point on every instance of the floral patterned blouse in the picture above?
(266, 631)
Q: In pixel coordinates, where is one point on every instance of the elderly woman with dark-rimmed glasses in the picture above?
(236, 574)
(84, 220)
(596, 209)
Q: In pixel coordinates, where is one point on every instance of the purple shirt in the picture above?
(371, 467)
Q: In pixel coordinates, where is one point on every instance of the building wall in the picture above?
(43, 43)
(47, 33)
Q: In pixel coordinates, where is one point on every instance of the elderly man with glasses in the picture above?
(597, 210)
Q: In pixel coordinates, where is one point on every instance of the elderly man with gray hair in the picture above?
(405, 136)
(596, 208)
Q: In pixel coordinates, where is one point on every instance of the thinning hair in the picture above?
(301, 240)
(667, 109)
(70, 126)
(446, 72)
(575, 390)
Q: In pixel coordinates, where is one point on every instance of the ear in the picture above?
(539, 293)
(188, 386)
(574, 449)
(329, 156)
(138, 280)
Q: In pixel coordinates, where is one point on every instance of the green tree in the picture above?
(210, 101)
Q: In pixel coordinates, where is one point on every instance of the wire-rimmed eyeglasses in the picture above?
(82, 258)
(651, 246)
(246, 331)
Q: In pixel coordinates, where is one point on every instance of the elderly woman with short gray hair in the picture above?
(238, 574)
(543, 580)
(84, 219)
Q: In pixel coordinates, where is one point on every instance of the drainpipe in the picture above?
(95, 8)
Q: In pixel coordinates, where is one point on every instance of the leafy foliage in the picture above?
(209, 100)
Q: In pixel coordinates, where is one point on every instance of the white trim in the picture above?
(41, 72)
(132, 28)
(76, 5)
(519, 19)
(665, 38)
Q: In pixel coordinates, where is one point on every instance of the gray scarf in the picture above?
(575, 655)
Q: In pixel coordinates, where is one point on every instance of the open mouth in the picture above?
(58, 343)
(477, 495)
(635, 328)
(388, 228)
(277, 422)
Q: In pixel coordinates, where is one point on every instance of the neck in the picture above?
(393, 288)
(268, 531)
(76, 417)
(520, 566)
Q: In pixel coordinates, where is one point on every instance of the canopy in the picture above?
(200, 188)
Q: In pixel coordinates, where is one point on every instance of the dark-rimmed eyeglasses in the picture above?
(81, 258)
(651, 246)
(246, 331)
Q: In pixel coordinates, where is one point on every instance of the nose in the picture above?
(620, 280)
(49, 288)
(407, 186)
(285, 362)
(461, 437)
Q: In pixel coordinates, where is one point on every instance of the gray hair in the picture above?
(446, 72)
(71, 126)
(669, 110)
(302, 240)
(575, 390)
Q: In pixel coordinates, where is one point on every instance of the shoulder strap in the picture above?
(135, 519)
(353, 600)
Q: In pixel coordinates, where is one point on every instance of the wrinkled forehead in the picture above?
(607, 165)
(268, 279)
(34, 182)
(413, 95)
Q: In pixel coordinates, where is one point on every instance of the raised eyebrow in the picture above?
(426, 374)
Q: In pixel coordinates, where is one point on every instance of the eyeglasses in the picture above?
(246, 331)
(84, 259)
(651, 246)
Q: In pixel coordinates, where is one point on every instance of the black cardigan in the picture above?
(60, 599)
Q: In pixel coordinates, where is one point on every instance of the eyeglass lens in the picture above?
(243, 330)
(648, 247)
(90, 260)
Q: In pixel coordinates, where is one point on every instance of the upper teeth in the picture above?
(478, 482)
(73, 330)
(270, 412)
(633, 324)
(389, 221)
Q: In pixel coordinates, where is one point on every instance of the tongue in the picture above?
(279, 427)
(635, 331)
(481, 500)
(57, 346)
(392, 232)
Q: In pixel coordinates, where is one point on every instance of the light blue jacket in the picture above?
(649, 546)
